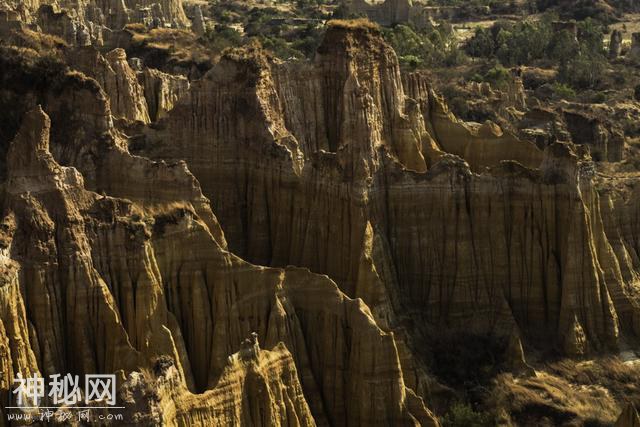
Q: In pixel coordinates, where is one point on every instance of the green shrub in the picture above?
(584, 71)
(481, 45)
(582, 61)
(432, 47)
(562, 91)
(498, 76)
(590, 36)
(343, 12)
(512, 44)
(280, 47)
(222, 37)
(463, 415)
(476, 78)
(524, 43)
(598, 98)
(410, 61)
(562, 47)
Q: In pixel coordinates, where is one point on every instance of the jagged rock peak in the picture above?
(364, 95)
(250, 347)
(560, 162)
(162, 91)
(349, 33)
(252, 58)
(264, 390)
(29, 152)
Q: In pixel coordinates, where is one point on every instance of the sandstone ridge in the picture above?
(285, 243)
(123, 260)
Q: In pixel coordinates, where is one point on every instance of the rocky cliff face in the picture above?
(162, 91)
(355, 156)
(117, 79)
(629, 417)
(88, 22)
(126, 264)
(289, 241)
(257, 387)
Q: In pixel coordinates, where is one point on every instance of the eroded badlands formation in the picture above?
(279, 243)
